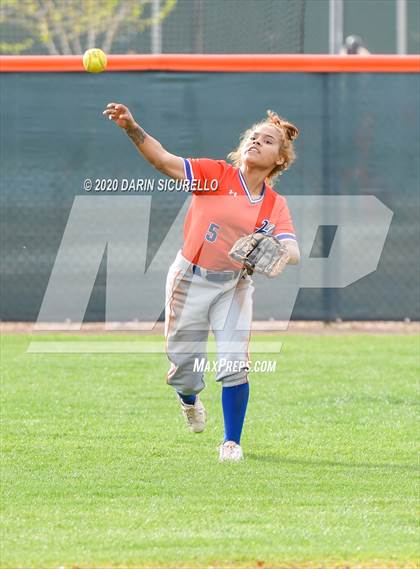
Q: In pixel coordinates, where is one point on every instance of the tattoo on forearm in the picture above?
(137, 135)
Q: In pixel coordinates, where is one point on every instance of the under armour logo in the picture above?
(232, 193)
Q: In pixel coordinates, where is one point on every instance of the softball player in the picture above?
(205, 288)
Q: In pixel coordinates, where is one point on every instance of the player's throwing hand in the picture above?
(120, 115)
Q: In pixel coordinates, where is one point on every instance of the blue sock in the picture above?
(188, 399)
(234, 403)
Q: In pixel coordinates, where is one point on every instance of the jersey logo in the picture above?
(232, 193)
(266, 227)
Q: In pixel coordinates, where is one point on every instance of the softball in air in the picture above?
(94, 60)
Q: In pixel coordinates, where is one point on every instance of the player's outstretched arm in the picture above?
(148, 146)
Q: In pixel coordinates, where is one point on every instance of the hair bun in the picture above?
(290, 130)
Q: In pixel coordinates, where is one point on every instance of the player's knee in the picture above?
(187, 383)
(234, 379)
(227, 382)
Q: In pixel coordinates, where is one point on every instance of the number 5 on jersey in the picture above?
(211, 234)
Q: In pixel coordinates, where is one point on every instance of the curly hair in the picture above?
(288, 133)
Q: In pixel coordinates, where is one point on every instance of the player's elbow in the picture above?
(170, 165)
(159, 166)
(156, 155)
(158, 162)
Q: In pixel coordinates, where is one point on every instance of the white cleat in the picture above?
(195, 415)
(230, 450)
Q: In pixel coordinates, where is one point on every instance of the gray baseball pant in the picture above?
(194, 305)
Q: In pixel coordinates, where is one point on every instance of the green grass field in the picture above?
(98, 469)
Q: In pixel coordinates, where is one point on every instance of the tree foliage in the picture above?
(71, 26)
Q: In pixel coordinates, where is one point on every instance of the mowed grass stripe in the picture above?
(98, 469)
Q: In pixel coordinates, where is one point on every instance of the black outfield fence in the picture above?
(359, 137)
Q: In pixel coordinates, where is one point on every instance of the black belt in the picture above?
(215, 276)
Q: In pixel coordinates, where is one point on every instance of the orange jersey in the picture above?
(222, 210)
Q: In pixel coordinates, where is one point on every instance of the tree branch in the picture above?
(77, 46)
(44, 30)
(91, 32)
(58, 28)
(119, 17)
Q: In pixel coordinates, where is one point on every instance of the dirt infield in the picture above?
(263, 327)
